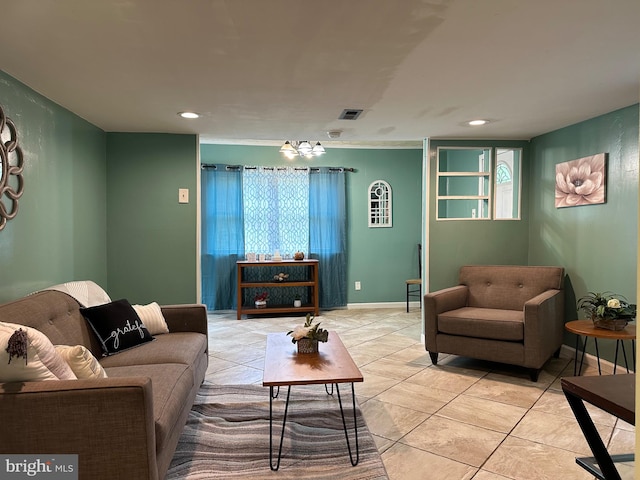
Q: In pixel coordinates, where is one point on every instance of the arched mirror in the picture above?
(380, 212)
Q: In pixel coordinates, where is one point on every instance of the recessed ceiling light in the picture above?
(477, 122)
(189, 115)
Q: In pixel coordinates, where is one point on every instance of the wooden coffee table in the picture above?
(284, 367)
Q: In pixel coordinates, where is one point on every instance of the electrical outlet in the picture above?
(358, 286)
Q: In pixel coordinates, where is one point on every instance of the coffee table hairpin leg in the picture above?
(273, 395)
(355, 425)
(284, 421)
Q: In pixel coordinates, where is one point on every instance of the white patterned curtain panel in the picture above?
(276, 210)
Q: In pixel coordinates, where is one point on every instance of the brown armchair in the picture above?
(506, 314)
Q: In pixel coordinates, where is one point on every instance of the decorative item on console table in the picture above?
(297, 302)
(308, 335)
(607, 310)
(298, 256)
(261, 300)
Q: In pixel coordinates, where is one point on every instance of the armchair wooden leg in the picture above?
(434, 357)
(533, 373)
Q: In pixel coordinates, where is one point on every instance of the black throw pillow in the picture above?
(117, 326)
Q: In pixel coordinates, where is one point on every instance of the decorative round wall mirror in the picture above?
(11, 166)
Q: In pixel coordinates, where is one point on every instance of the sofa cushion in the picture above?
(178, 347)
(55, 314)
(151, 316)
(173, 392)
(187, 348)
(81, 361)
(483, 323)
(117, 326)
(42, 361)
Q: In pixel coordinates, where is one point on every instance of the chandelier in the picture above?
(302, 148)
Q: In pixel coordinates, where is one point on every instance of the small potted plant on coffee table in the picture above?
(308, 335)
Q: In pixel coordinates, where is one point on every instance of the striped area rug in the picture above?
(227, 436)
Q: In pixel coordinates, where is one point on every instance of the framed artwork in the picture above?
(581, 181)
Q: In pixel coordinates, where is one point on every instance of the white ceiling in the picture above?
(262, 71)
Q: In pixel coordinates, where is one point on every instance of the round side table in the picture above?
(586, 329)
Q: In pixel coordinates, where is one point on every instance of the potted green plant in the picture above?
(308, 335)
(297, 301)
(607, 310)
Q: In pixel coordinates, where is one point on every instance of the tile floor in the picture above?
(461, 419)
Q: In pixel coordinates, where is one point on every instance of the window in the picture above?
(276, 210)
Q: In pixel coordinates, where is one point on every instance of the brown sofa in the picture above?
(124, 426)
(507, 314)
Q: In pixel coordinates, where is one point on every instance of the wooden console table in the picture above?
(311, 282)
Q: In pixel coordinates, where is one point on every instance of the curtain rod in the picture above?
(312, 169)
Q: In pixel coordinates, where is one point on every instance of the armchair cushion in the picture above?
(483, 323)
(507, 287)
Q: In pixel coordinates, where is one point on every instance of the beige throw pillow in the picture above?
(43, 362)
(151, 316)
(81, 361)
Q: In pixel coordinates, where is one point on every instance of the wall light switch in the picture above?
(183, 195)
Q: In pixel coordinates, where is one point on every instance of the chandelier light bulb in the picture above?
(290, 149)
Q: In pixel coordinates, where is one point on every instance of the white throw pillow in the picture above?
(81, 361)
(43, 361)
(151, 316)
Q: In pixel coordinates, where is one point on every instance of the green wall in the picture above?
(453, 243)
(59, 233)
(380, 258)
(597, 244)
(152, 244)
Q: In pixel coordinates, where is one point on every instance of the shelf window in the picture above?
(468, 188)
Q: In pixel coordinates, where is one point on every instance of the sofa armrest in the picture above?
(186, 318)
(438, 302)
(107, 422)
(543, 327)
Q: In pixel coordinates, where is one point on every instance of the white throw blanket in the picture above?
(85, 292)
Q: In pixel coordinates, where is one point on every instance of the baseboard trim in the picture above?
(591, 360)
(356, 306)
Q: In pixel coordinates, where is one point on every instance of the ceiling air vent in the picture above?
(350, 114)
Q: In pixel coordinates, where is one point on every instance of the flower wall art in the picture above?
(581, 181)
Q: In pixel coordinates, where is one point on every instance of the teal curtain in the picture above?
(222, 234)
(328, 233)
